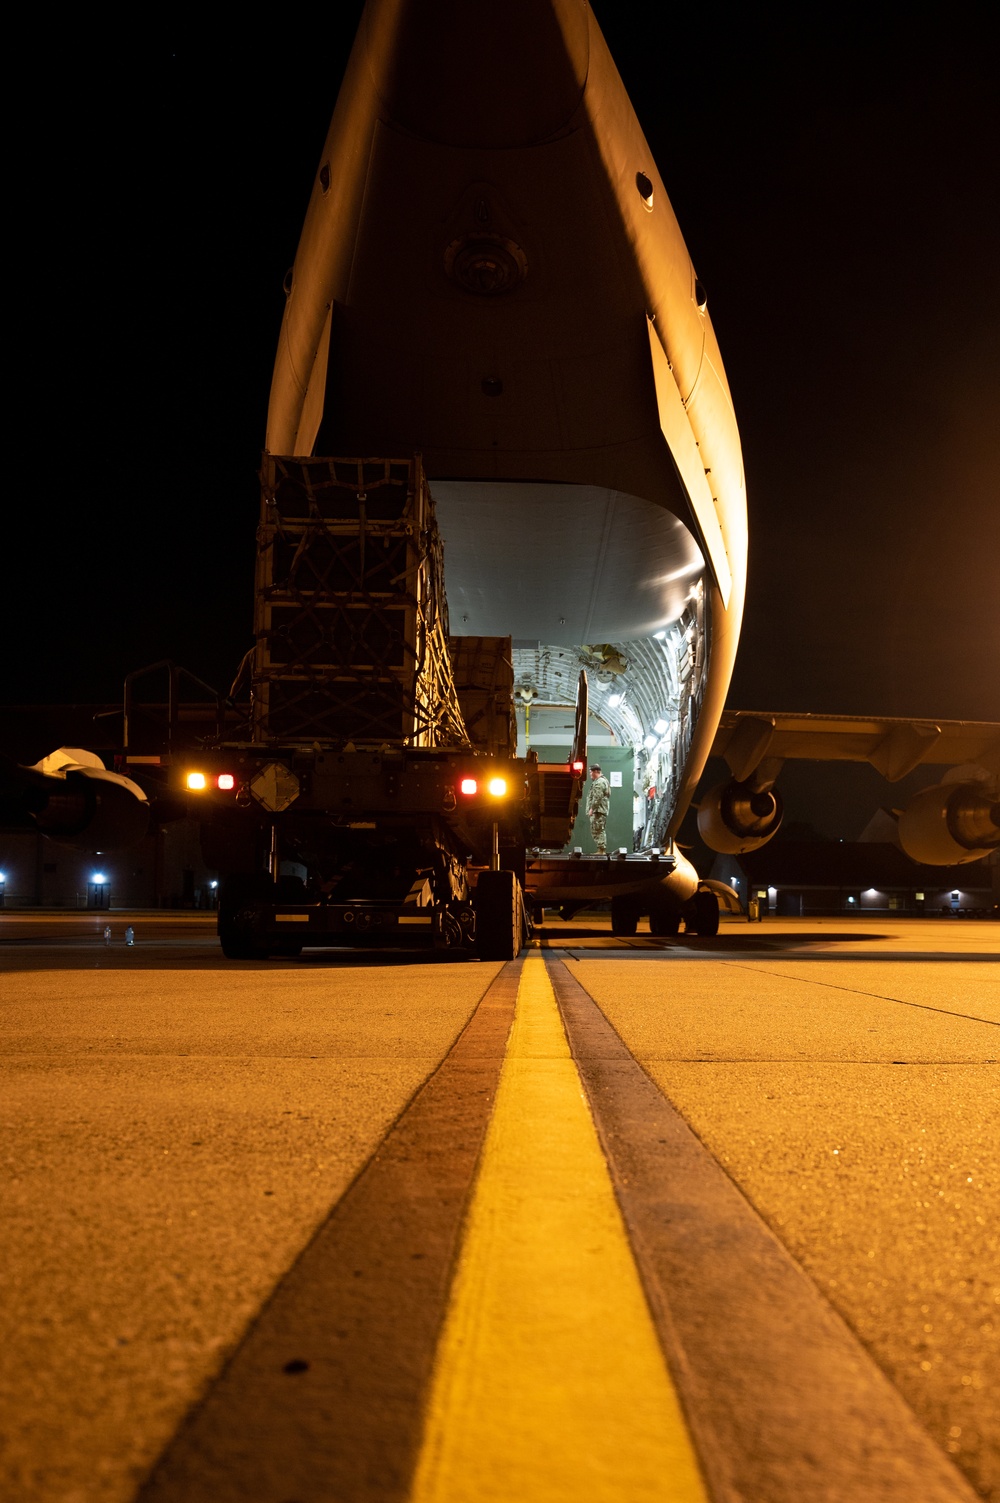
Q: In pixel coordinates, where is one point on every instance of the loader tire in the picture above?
(240, 927)
(498, 902)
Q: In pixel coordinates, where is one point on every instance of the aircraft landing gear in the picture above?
(663, 919)
(701, 914)
(624, 915)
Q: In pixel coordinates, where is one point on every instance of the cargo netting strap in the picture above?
(351, 614)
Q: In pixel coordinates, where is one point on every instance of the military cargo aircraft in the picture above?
(490, 272)
(491, 275)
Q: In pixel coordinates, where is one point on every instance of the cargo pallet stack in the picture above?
(350, 619)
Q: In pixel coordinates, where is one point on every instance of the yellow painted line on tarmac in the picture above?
(549, 1385)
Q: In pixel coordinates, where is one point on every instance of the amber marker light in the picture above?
(468, 786)
(497, 787)
(225, 781)
(196, 781)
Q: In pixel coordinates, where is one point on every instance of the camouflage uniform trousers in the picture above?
(598, 824)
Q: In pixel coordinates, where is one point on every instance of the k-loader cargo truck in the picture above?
(371, 794)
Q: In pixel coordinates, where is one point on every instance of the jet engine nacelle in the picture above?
(735, 817)
(949, 824)
(78, 802)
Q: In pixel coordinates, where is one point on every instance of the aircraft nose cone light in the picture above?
(196, 781)
(497, 787)
(468, 786)
(225, 781)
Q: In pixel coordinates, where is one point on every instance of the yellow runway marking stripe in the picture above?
(549, 1380)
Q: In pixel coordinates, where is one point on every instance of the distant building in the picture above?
(864, 876)
(166, 870)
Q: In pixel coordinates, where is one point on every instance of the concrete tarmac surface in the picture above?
(217, 1173)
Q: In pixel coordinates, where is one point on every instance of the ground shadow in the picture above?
(752, 939)
(201, 954)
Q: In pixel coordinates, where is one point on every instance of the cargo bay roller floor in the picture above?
(623, 1219)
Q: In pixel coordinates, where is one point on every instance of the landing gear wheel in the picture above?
(499, 916)
(624, 915)
(663, 919)
(706, 914)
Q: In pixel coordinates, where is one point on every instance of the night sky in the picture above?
(836, 177)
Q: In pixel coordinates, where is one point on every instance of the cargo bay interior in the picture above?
(520, 559)
(644, 700)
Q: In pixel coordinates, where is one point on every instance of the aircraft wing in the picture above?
(746, 738)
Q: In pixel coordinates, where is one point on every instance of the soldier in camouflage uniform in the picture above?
(598, 804)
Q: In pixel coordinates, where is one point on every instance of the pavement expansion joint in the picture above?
(861, 992)
(621, 949)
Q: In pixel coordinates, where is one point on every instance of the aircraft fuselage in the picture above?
(490, 274)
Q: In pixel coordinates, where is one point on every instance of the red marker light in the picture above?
(225, 781)
(468, 785)
(577, 766)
